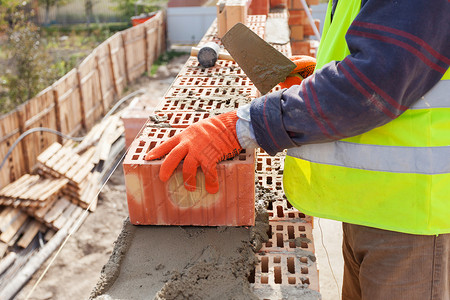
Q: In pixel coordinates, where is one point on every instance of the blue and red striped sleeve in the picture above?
(398, 51)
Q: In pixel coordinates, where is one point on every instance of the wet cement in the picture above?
(167, 262)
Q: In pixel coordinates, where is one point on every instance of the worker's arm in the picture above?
(399, 51)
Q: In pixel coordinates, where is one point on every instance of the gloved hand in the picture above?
(203, 144)
(305, 67)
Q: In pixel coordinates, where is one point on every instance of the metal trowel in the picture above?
(262, 63)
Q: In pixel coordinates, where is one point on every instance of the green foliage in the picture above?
(28, 71)
(49, 4)
(164, 58)
(130, 8)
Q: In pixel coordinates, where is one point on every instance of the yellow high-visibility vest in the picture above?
(394, 177)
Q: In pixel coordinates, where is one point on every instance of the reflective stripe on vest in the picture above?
(394, 177)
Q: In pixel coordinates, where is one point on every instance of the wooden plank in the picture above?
(9, 233)
(19, 190)
(71, 161)
(40, 213)
(62, 219)
(49, 234)
(8, 218)
(3, 249)
(36, 189)
(55, 188)
(50, 163)
(56, 210)
(30, 232)
(14, 184)
(49, 152)
(84, 160)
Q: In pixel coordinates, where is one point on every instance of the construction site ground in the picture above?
(76, 270)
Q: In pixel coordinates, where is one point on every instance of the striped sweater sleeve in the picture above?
(398, 51)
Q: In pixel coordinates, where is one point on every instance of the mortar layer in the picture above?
(167, 262)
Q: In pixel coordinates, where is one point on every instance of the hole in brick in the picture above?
(304, 270)
(196, 119)
(242, 156)
(291, 234)
(277, 275)
(269, 232)
(269, 180)
(302, 215)
(269, 244)
(280, 211)
(182, 106)
(279, 227)
(291, 280)
(304, 260)
(269, 161)
(265, 264)
(135, 157)
(161, 135)
(288, 204)
(304, 245)
(280, 242)
(152, 145)
(304, 280)
(292, 245)
(251, 276)
(270, 206)
(259, 167)
(277, 259)
(264, 280)
(172, 133)
(291, 215)
(303, 235)
(141, 143)
(301, 228)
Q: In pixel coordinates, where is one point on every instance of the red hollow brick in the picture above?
(287, 270)
(297, 32)
(153, 202)
(176, 119)
(289, 236)
(187, 92)
(297, 17)
(308, 29)
(301, 47)
(210, 105)
(278, 3)
(223, 67)
(259, 7)
(212, 81)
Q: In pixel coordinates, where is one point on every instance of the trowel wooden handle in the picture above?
(222, 54)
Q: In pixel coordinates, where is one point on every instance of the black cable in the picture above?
(77, 139)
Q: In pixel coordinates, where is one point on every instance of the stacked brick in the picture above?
(287, 262)
(195, 94)
(301, 29)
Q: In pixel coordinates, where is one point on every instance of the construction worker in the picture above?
(368, 139)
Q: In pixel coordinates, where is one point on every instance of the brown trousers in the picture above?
(385, 265)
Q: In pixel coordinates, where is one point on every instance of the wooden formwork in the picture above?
(38, 112)
(68, 103)
(90, 91)
(135, 51)
(117, 53)
(9, 132)
(106, 73)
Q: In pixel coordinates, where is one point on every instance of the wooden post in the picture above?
(58, 114)
(113, 76)
(83, 112)
(126, 58)
(104, 106)
(21, 117)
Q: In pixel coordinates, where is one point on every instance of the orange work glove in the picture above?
(305, 67)
(203, 144)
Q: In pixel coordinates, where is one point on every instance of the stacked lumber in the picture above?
(31, 191)
(81, 164)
